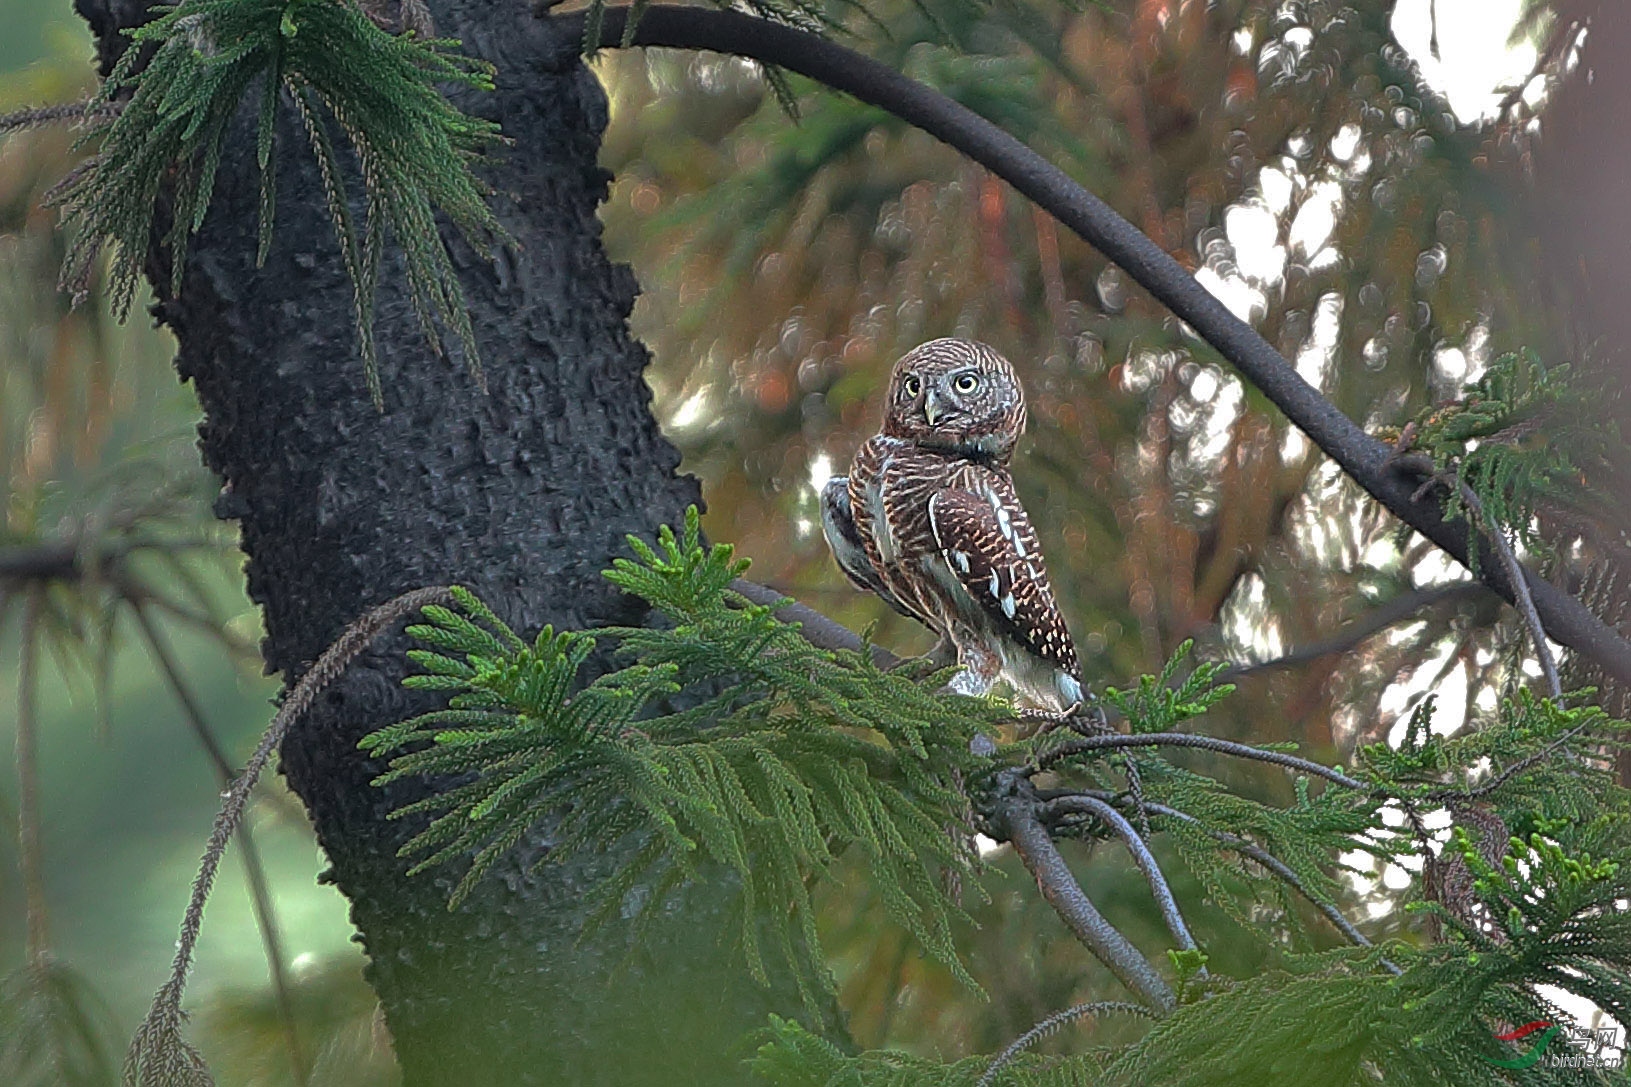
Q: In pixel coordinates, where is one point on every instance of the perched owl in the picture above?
(928, 519)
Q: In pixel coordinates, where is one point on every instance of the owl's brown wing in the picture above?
(838, 525)
(989, 543)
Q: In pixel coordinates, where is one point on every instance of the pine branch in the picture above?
(69, 113)
(1361, 456)
(260, 893)
(188, 71)
(1082, 745)
(159, 1056)
(1051, 811)
(791, 755)
(1052, 1025)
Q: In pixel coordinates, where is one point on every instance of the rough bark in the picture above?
(524, 493)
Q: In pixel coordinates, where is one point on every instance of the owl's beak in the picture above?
(931, 408)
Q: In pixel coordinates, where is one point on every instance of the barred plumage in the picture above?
(929, 520)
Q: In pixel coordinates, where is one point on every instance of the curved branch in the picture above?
(1361, 456)
(1048, 1026)
(1110, 817)
(157, 1051)
(1016, 816)
(260, 892)
(1116, 740)
(1525, 602)
(1247, 848)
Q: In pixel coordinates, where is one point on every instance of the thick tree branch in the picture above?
(1016, 820)
(1361, 456)
(38, 562)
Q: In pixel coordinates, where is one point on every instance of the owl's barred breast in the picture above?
(892, 481)
(892, 487)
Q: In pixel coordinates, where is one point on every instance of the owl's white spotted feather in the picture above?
(989, 545)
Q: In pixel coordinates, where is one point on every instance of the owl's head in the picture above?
(957, 396)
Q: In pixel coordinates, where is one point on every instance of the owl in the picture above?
(928, 519)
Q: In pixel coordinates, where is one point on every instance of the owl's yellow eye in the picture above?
(965, 383)
(912, 385)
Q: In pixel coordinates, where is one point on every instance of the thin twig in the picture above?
(819, 631)
(242, 648)
(1246, 848)
(1523, 597)
(160, 650)
(157, 1045)
(1084, 744)
(67, 113)
(1051, 1025)
(1137, 847)
(1018, 822)
(1287, 875)
(260, 894)
(1444, 796)
(1405, 606)
(1520, 584)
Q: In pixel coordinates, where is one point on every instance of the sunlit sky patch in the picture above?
(1475, 62)
(1291, 213)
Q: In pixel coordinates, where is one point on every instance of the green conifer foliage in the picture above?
(777, 756)
(1522, 436)
(786, 756)
(334, 65)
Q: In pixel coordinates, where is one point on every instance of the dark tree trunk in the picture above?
(523, 493)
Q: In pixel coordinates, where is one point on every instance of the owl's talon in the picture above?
(1088, 723)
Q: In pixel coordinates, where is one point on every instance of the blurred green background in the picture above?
(1294, 155)
(93, 421)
